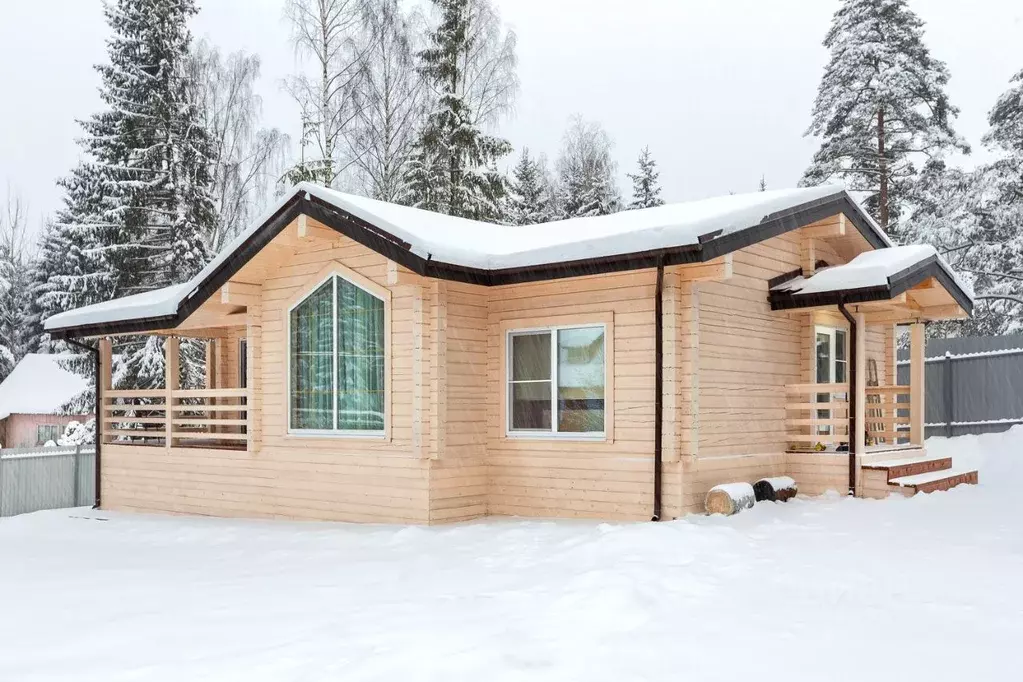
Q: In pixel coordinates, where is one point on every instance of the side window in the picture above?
(555, 381)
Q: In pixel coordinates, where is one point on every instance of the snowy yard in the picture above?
(823, 589)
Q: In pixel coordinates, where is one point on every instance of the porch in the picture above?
(852, 422)
(215, 417)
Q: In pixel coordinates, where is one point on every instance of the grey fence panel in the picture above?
(975, 385)
(46, 478)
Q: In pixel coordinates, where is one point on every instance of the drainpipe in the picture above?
(96, 410)
(852, 398)
(658, 385)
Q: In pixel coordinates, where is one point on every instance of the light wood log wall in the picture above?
(727, 359)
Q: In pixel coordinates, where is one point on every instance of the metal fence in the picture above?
(46, 478)
(973, 385)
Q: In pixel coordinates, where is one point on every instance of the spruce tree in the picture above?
(531, 199)
(138, 210)
(881, 105)
(453, 151)
(646, 191)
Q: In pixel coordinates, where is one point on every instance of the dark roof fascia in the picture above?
(400, 252)
(898, 283)
(905, 280)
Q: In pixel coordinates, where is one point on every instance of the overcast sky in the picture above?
(721, 91)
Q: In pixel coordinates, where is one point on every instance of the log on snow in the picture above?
(730, 498)
(777, 489)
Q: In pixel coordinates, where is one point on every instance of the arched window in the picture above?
(337, 360)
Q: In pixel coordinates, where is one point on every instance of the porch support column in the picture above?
(254, 380)
(860, 389)
(106, 382)
(916, 383)
(171, 359)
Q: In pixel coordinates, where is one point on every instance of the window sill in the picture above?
(559, 437)
(339, 435)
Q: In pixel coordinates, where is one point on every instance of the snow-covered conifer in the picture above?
(646, 191)
(532, 196)
(453, 150)
(881, 105)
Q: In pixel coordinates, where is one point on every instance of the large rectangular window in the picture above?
(556, 379)
(337, 360)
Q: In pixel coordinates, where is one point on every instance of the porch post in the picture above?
(916, 384)
(860, 390)
(106, 381)
(171, 360)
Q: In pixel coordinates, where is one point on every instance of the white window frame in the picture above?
(831, 333)
(335, 432)
(553, 432)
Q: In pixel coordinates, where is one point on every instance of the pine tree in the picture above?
(138, 210)
(586, 172)
(646, 192)
(881, 105)
(762, 187)
(531, 199)
(452, 150)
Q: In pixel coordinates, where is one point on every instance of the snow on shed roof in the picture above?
(39, 385)
(484, 246)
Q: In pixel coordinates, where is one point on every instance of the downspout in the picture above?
(658, 385)
(852, 398)
(96, 411)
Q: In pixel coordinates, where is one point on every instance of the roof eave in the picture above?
(401, 252)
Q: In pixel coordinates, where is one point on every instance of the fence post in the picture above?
(949, 395)
(75, 484)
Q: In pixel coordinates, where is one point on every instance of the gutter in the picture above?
(852, 396)
(96, 411)
(658, 386)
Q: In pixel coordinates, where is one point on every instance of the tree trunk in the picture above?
(882, 163)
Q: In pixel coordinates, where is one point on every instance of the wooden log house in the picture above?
(373, 362)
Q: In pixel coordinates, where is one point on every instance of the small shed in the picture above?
(32, 400)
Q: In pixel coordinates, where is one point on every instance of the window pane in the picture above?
(823, 358)
(581, 380)
(840, 366)
(531, 356)
(840, 344)
(530, 405)
(360, 359)
(312, 365)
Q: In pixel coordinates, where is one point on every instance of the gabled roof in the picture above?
(39, 384)
(871, 276)
(444, 247)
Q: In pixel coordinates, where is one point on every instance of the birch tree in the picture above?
(388, 100)
(246, 160)
(328, 35)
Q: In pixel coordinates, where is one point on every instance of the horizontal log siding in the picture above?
(564, 478)
(341, 479)
(747, 354)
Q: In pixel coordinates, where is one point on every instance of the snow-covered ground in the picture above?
(817, 589)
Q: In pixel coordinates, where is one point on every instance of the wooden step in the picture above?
(911, 467)
(936, 480)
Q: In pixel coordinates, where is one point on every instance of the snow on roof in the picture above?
(39, 385)
(473, 244)
(869, 269)
(156, 303)
(494, 247)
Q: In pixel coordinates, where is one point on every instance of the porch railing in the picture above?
(817, 415)
(213, 418)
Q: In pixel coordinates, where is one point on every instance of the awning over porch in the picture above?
(914, 282)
